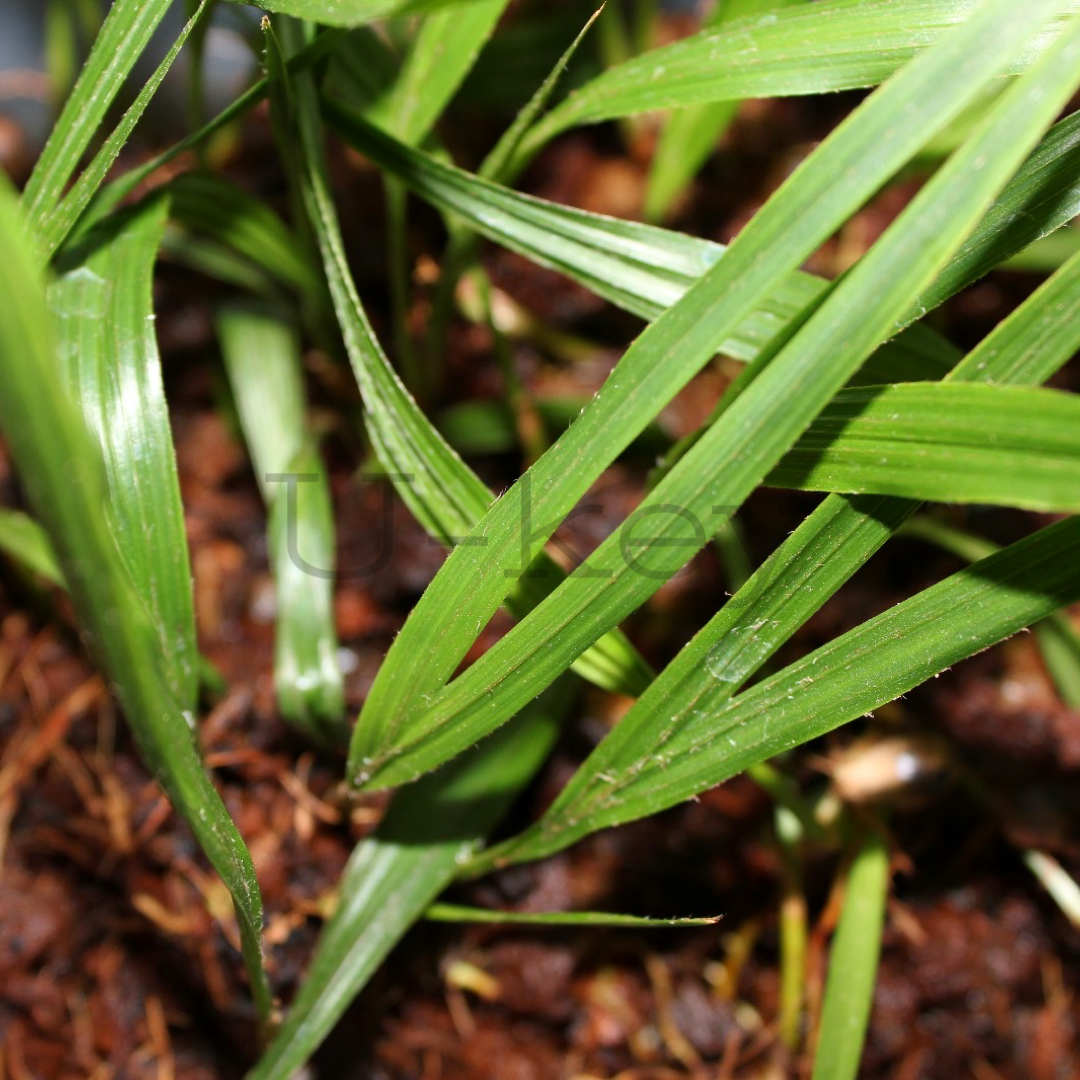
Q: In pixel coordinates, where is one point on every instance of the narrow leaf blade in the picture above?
(393, 877)
(60, 465)
(853, 962)
(102, 305)
(394, 742)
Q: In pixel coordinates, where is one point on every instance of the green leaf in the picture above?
(105, 200)
(355, 12)
(444, 495)
(1043, 195)
(362, 70)
(808, 568)
(1058, 639)
(261, 350)
(853, 962)
(307, 676)
(219, 210)
(442, 53)
(1046, 255)
(640, 268)
(402, 731)
(24, 540)
(1059, 643)
(690, 135)
(393, 876)
(1036, 340)
(486, 426)
(124, 34)
(496, 164)
(104, 324)
(62, 24)
(522, 55)
(808, 49)
(644, 269)
(60, 465)
(702, 745)
(458, 913)
(943, 443)
(207, 257)
(54, 224)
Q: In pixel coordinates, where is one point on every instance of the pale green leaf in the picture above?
(25, 541)
(261, 350)
(459, 913)
(853, 962)
(307, 674)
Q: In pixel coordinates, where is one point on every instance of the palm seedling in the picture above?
(846, 388)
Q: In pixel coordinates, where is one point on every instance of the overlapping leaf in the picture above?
(395, 739)
(640, 268)
(97, 203)
(220, 211)
(1059, 641)
(445, 496)
(644, 269)
(808, 568)
(943, 443)
(56, 217)
(123, 36)
(696, 746)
